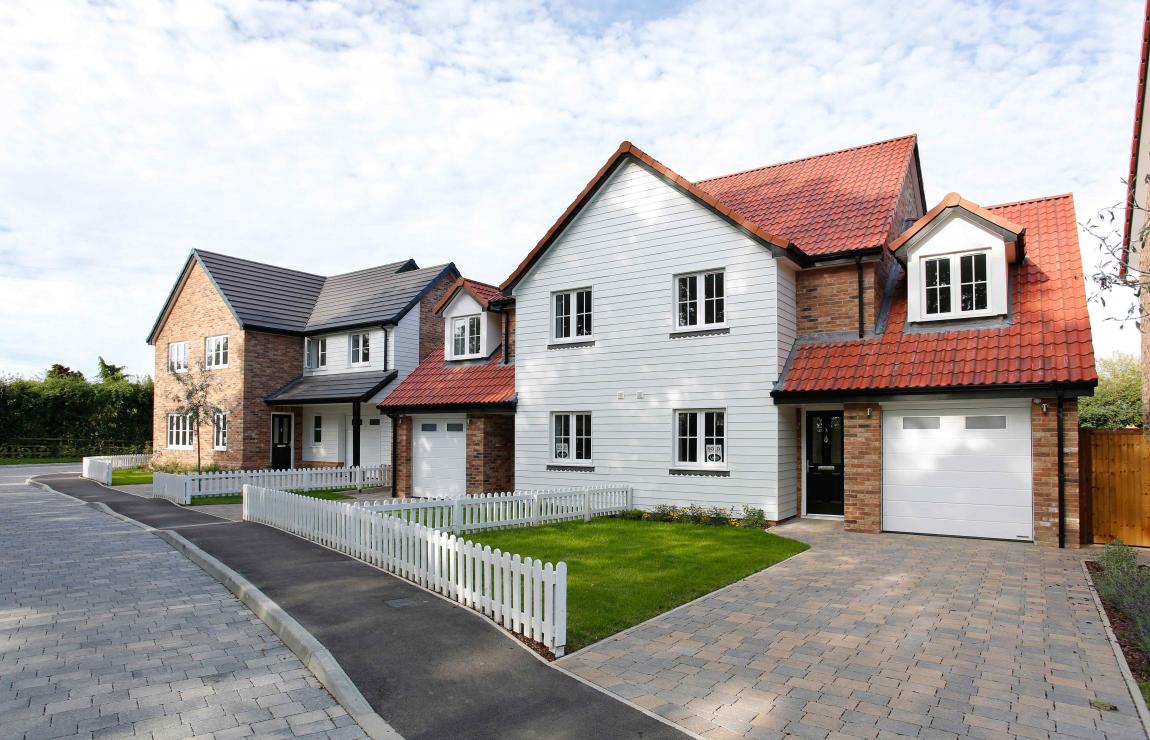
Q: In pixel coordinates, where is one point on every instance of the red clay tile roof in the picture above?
(954, 200)
(437, 383)
(1047, 343)
(836, 202)
(481, 292)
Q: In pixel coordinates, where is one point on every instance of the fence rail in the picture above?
(181, 487)
(1114, 480)
(476, 512)
(526, 596)
(100, 468)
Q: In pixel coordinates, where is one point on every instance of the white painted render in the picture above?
(954, 232)
(463, 304)
(627, 244)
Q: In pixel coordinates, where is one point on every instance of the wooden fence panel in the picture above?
(1118, 472)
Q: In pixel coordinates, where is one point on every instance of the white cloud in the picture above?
(330, 136)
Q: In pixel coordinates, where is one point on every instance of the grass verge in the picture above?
(327, 494)
(131, 476)
(37, 460)
(621, 572)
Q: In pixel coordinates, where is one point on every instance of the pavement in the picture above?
(106, 631)
(430, 668)
(869, 636)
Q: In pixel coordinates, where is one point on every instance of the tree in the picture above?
(111, 373)
(1117, 401)
(195, 398)
(1112, 274)
(63, 372)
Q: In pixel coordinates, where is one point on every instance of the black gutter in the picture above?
(456, 407)
(845, 254)
(862, 321)
(1061, 478)
(1034, 389)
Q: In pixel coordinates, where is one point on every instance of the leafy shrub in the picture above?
(1126, 585)
(718, 516)
(663, 513)
(753, 518)
(631, 514)
(694, 514)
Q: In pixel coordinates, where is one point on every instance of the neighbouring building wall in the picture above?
(490, 453)
(1144, 300)
(1044, 442)
(862, 471)
(827, 298)
(509, 319)
(197, 313)
(628, 244)
(275, 361)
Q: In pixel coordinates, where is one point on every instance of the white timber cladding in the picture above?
(329, 449)
(339, 352)
(463, 306)
(627, 244)
(952, 235)
(406, 346)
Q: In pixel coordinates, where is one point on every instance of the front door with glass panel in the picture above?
(825, 462)
(281, 441)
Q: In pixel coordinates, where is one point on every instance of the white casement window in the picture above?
(360, 348)
(178, 357)
(571, 437)
(571, 315)
(180, 436)
(315, 352)
(220, 432)
(466, 336)
(701, 438)
(700, 300)
(317, 430)
(216, 352)
(954, 285)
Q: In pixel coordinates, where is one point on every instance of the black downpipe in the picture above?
(355, 422)
(858, 264)
(1061, 479)
(394, 450)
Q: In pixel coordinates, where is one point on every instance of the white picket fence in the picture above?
(181, 487)
(525, 596)
(100, 467)
(476, 512)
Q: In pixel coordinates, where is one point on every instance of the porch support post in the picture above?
(356, 421)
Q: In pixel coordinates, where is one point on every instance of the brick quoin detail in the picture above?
(1044, 446)
(403, 450)
(490, 453)
(827, 298)
(862, 477)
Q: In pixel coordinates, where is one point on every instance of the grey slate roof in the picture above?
(277, 299)
(331, 388)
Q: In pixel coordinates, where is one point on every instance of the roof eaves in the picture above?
(447, 268)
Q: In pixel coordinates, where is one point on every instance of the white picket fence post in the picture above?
(587, 506)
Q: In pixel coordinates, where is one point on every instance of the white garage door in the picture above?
(440, 455)
(961, 471)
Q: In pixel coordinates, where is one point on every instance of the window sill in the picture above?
(572, 468)
(704, 332)
(707, 472)
(182, 449)
(571, 345)
(219, 449)
(217, 367)
(477, 356)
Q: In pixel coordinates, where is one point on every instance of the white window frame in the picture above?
(954, 260)
(701, 301)
(360, 348)
(318, 347)
(700, 437)
(572, 316)
(470, 338)
(181, 436)
(220, 432)
(317, 430)
(574, 426)
(178, 357)
(216, 352)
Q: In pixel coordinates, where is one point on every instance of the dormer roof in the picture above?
(483, 293)
(1011, 232)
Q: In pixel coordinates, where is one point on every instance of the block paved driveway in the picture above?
(105, 631)
(879, 636)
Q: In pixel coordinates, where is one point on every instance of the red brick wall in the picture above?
(1044, 445)
(198, 313)
(431, 335)
(827, 298)
(277, 360)
(401, 476)
(862, 476)
(509, 320)
(490, 453)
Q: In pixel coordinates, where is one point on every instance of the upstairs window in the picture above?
(700, 300)
(216, 352)
(701, 438)
(220, 432)
(178, 357)
(315, 352)
(955, 285)
(571, 313)
(360, 348)
(972, 285)
(466, 336)
(571, 437)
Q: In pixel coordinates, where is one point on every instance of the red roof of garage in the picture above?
(436, 383)
(1047, 342)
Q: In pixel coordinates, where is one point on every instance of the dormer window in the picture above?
(466, 336)
(939, 283)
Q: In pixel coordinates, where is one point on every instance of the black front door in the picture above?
(825, 462)
(281, 441)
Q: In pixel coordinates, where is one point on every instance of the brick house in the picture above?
(809, 339)
(454, 415)
(1135, 257)
(299, 360)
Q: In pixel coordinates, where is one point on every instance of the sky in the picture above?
(332, 136)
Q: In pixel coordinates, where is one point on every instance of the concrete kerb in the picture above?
(1131, 684)
(310, 651)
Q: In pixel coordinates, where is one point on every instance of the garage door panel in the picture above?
(961, 478)
(439, 455)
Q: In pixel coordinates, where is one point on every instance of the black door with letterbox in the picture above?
(281, 441)
(825, 462)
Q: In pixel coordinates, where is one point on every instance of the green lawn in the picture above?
(131, 476)
(37, 460)
(621, 572)
(1145, 686)
(327, 494)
